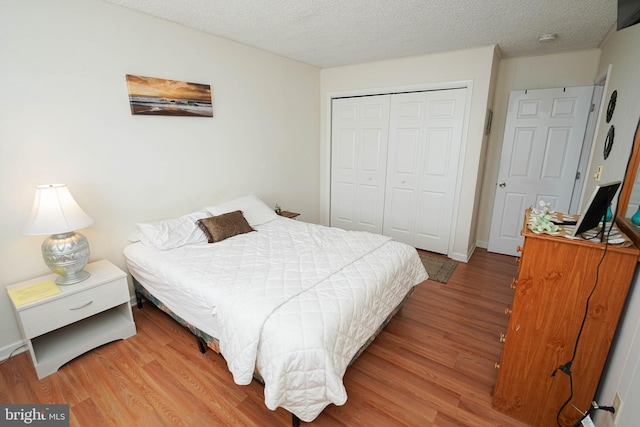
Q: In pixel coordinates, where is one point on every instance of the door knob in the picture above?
(502, 184)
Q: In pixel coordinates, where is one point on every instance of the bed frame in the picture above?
(205, 340)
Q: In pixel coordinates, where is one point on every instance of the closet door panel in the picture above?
(344, 172)
(443, 122)
(425, 137)
(405, 135)
(394, 165)
(398, 222)
(344, 194)
(345, 152)
(359, 140)
(405, 151)
(371, 150)
(435, 157)
(428, 218)
(370, 196)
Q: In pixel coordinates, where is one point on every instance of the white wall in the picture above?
(65, 117)
(535, 72)
(473, 66)
(622, 51)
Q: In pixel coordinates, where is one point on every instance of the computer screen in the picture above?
(596, 207)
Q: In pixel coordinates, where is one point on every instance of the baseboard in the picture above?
(463, 257)
(482, 244)
(17, 348)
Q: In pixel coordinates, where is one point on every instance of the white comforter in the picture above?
(296, 301)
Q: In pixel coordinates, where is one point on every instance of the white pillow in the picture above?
(173, 233)
(254, 210)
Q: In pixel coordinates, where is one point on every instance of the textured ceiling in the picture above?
(327, 33)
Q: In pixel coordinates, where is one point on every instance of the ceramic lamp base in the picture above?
(66, 254)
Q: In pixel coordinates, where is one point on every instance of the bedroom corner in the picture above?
(66, 118)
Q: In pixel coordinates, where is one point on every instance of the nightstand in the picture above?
(83, 316)
(288, 214)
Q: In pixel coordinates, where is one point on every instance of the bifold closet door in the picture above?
(425, 136)
(359, 138)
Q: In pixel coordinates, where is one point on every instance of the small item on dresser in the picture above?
(290, 215)
(615, 241)
(541, 220)
(35, 292)
(563, 222)
(636, 217)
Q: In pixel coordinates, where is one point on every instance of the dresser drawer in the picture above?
(60, 312)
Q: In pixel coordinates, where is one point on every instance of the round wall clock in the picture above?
(608, 142)
(612, 105)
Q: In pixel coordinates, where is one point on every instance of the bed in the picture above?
(284, 301)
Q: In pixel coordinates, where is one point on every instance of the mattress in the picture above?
(142, 262)
(293, 300)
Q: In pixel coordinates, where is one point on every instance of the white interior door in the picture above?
(359, 138)
(425, 136)
(543, 138)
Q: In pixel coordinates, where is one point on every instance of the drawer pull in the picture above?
(508, 311)
(496, 365)
(514, 284)
(82, 306)
(503, 337)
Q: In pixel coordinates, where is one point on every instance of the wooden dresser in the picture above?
(555, 279)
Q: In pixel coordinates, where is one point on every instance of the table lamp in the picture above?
(55, 212)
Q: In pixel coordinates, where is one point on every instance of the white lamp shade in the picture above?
(55, 211)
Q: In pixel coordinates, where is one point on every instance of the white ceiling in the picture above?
(327, 33)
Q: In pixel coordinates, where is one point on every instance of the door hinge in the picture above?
(593, 108)
(577, 175)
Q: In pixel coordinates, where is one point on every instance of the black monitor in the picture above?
(595, 210)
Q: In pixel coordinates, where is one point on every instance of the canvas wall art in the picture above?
(162, 97)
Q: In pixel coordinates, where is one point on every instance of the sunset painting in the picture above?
(161, 97)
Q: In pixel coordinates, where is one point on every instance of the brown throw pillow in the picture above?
(223, 226)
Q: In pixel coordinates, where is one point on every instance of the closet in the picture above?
(394, 165)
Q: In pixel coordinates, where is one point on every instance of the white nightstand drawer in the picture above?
(80, 317)
(60, 312)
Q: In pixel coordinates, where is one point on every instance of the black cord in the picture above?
(566, 368)
(15, 350)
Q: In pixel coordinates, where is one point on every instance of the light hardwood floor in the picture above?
(431, 366)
